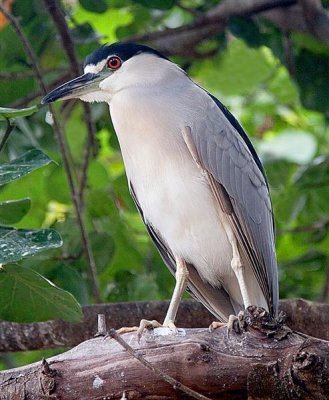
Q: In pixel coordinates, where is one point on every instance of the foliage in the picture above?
(26, 296)
(283, 107)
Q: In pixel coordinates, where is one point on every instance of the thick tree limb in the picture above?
(303, 316)
(287, 15)
(213, 364)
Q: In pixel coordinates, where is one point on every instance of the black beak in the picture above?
(83, 84)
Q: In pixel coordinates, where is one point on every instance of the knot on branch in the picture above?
(309, 373)
(47, 378)
(305, 360)
(261, 320)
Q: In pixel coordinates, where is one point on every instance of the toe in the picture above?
(215, 325)
(146, 324)
(127, 329)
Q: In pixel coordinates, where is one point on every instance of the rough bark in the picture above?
(262, 362)
(305, 16)
(302, 316)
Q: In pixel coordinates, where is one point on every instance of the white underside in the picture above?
(173, 193)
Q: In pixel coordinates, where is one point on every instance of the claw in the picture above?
(146, 324)
(127, 329)
(216, 325)
(235, 323)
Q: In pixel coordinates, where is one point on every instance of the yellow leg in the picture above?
(239, 270)
(181, 275)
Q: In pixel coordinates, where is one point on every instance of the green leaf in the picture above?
(100, 22)
(314, 175)
(15, 112)
(18, 243)
(159, 4)
(69, 278)
(12, 211)
(312, 79)
(246, 29)
(283, 87)
(96, 6)
(27, 296)
(103, 248)
(28, 162)
(225, 75)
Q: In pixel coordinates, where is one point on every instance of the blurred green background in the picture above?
(276, 84)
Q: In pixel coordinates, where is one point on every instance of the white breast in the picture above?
(172, 191)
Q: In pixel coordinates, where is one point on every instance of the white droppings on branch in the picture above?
(164, 331)
(98, 382)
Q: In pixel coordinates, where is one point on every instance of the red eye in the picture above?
(114, 62)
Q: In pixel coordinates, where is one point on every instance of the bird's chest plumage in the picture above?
(171, 189)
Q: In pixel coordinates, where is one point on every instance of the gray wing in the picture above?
(215, 299)
(238, 181)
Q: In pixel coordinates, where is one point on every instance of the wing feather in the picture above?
(238, 182)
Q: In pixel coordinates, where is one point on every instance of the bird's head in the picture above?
(112, 68)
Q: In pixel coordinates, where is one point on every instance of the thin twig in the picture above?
(24, 101)
(87, 154)
(173, 382)
(10, 127)
(5, 76)
(101, 325)
(75, 198)
(289, 53)
(58, 17)
(218, 14)
(63, 149)
(192, 11)
(26, 44)
(32, 96)
(184, 39)
(316, 226)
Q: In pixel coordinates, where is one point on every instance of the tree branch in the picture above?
(316, 226)
(302, 316)
(25, 74)
(57, 16)
(9, 128)
(24, 101)
(173, 382)
(265, 361)
(287, 15)
(316, 18)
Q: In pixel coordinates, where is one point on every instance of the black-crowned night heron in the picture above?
(193, 174)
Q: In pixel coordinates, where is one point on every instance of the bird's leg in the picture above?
(239, 271)
(181, 283)
(235, 323)
(181, 275)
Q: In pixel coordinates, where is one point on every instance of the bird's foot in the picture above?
(235, 323)
(127, 329)
(147, 325)
(150, 325)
